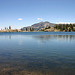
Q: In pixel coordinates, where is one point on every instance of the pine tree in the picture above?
(26, 29)
(9, 27)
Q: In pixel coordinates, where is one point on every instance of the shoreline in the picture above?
(18, 71)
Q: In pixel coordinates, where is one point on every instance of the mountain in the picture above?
(39, 26)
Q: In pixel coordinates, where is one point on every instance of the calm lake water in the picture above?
(48, 53)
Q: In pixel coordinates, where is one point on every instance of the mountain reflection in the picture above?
(55, 37)
(40, 52)
(40, 36)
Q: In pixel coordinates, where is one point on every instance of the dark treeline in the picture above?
(56, 27)
(65, 27)
(28, 29)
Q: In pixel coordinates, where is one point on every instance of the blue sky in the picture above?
(21, 13)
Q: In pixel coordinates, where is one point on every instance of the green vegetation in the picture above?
(48, 27)
(31, 29)
(26, 29)
(55, 28)
(60, 28)
(65, 27)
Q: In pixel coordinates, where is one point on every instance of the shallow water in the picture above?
(47, 53)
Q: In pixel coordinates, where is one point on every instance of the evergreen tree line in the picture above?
(29, 29)
(65, 27)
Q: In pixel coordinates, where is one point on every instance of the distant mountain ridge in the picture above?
(39, 26)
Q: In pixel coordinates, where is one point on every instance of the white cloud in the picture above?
(20, 19)
(39, 18)
(63, 23)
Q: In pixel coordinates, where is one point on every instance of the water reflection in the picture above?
(41, 37)
(38, 53)
(55, 37)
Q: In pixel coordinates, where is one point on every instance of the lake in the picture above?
(37, 53)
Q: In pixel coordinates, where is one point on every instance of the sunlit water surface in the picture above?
(39, 51)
